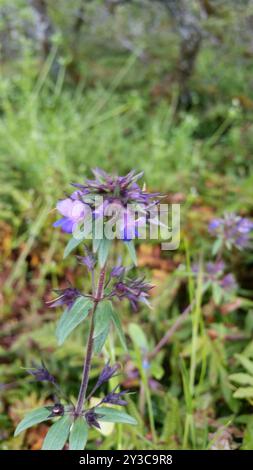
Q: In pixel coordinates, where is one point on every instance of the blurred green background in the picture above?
(160, 86)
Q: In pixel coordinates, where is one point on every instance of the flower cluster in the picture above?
(232, 230)
(93, 414)
(135, 290)
(118, 197)
(122, 189)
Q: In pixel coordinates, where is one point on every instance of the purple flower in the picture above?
(41, 374)
(66, 297)
(118, 271)
(123, 189)
(129, 226)
(211, 271)
(107, 373)
(228, 282)
(216, 268)
(135, 290)
(88, 260)
(115, 398)
(233, 229)
(214, 273)
(92, 418)
(214, 224)
(73, 211)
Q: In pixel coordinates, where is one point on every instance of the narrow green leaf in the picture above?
(61, 322)
(34, 417)
(103, 251)
(241, 378)
(100, 340)
(103, 316)
(137, 336)
(217, 293)
(78, 435)
(72, 318)
(71, 245)
(132, 252)
(95, 244)
(244, 392)
(216, 246)
(118, 327)
(110, 415)
(57, 434)
(246, 363)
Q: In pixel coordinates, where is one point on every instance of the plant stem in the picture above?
(88, 356)
(168, 335)
(145, 383)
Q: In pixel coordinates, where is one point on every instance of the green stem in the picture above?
(148, 396)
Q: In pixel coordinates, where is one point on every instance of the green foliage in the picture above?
(100, 340)
(72, 317)
(111, 415)
(132, 252)
(103, 251)
(138, 336)
(78, 435)
(57, 434)
(103, 316)
(71, 245)
(117, 323)
(248, 436)
(32, 418)
(245, 379)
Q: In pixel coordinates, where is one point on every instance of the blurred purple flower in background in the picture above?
(232, 229)
(213, 272)
(228, 282)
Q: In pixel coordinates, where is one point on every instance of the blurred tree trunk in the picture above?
(43, 26)
(188, 27)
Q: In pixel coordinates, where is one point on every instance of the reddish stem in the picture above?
(88, 356)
